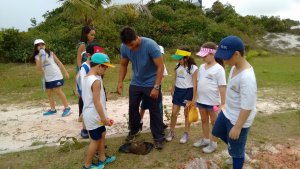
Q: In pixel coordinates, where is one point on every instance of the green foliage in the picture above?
(174, 23)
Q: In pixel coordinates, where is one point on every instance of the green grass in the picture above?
(20, 82)
(275, 128)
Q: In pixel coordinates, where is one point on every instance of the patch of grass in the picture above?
(36, 143)
(266, 129)
(20, 82)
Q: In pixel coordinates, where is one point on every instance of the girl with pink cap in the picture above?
(211, 87)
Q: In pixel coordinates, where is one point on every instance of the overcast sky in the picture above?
(17, 13)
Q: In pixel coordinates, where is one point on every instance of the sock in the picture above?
(237, 163)
(53, 109)
(206, 140)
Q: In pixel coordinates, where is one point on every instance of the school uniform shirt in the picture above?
(184, 79)
(91, 117)
(241, 94)
(50, 68)
(208, 84)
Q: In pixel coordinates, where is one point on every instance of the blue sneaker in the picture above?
(49, 112)
(84, 133)
(109, 159)
(93, 166)
(66, 112)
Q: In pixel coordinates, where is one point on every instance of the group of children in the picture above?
(204, 87)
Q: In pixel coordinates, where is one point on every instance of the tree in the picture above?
(33, 22)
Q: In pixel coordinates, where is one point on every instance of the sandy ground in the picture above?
(22, 126)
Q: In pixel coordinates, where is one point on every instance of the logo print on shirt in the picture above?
(209, 76)
(180, 74)
(235, 89)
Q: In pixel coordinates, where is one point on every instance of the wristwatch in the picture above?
(157, 87)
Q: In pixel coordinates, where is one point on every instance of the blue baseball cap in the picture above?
(101, 58)
(228, 46)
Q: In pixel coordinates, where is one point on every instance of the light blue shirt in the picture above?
(143, 66)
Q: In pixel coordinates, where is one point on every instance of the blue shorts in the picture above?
(180, 95)
(221, 129)
(96, 134)
(54, 84)
(205, 106)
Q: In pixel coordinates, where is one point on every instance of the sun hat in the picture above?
(228, 46)
(180, 54)
(205, 51)
(37, 41)
(101, 58)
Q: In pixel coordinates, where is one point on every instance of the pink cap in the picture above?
(205, 51)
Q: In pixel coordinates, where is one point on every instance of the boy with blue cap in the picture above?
(94, 110)
(234, 121)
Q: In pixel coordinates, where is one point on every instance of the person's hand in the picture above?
(120, 88)
(154, 93)
(190, 103)
(234, 133)
(105, 122)
(67, 75)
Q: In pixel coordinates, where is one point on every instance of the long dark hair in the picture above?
(84, 32)
(36, 51)
(188, 60)
(212, 45)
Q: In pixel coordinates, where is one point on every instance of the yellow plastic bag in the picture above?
(193, 114)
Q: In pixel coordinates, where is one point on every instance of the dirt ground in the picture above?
(23, 126)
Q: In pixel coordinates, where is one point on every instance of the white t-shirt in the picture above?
(208, 84)
(184, 79)
(50, 68)
(241, 94)
(90, 115)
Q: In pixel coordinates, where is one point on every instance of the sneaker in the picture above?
(229, 160)
(66, 112)
(49, 112)
(93, 166)
(212, 146)
(201, 142)
(170, 136)
(109, 159)
(84, 133)
(159, 145)
(184, 138)
(131, 137)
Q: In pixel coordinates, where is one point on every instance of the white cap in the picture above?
(162, 50)
(37, 41)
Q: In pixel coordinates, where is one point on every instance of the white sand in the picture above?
(22, 125)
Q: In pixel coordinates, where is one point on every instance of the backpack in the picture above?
(78, 79)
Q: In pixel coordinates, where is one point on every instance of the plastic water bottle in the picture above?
(42, 53)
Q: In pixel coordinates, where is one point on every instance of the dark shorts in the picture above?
(205, 106)
(54, 84)
(96, 134)
(221, 129)
(180, 95)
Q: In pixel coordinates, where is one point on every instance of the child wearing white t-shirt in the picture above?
(184, 90)
(211, 92)
(95, 112)
(233, 123)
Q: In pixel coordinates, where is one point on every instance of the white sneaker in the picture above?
(212, 146)
(201, 142)
(229, 160)
(184, 138)
(170, 136)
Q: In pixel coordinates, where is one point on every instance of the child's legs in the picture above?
(213, 117)
(175, 111)
(101, 147)
(144, 106)
(51, 99)
(204, 122)
(62, 96)
(220, 128)
(186, 121)
(93, 146)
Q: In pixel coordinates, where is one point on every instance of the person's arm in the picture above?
(61, 66)
(80, 49)
(236, 129)
(122, 73)
(97, 102)
(194, 79)
(159, 75)
(222, 90)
